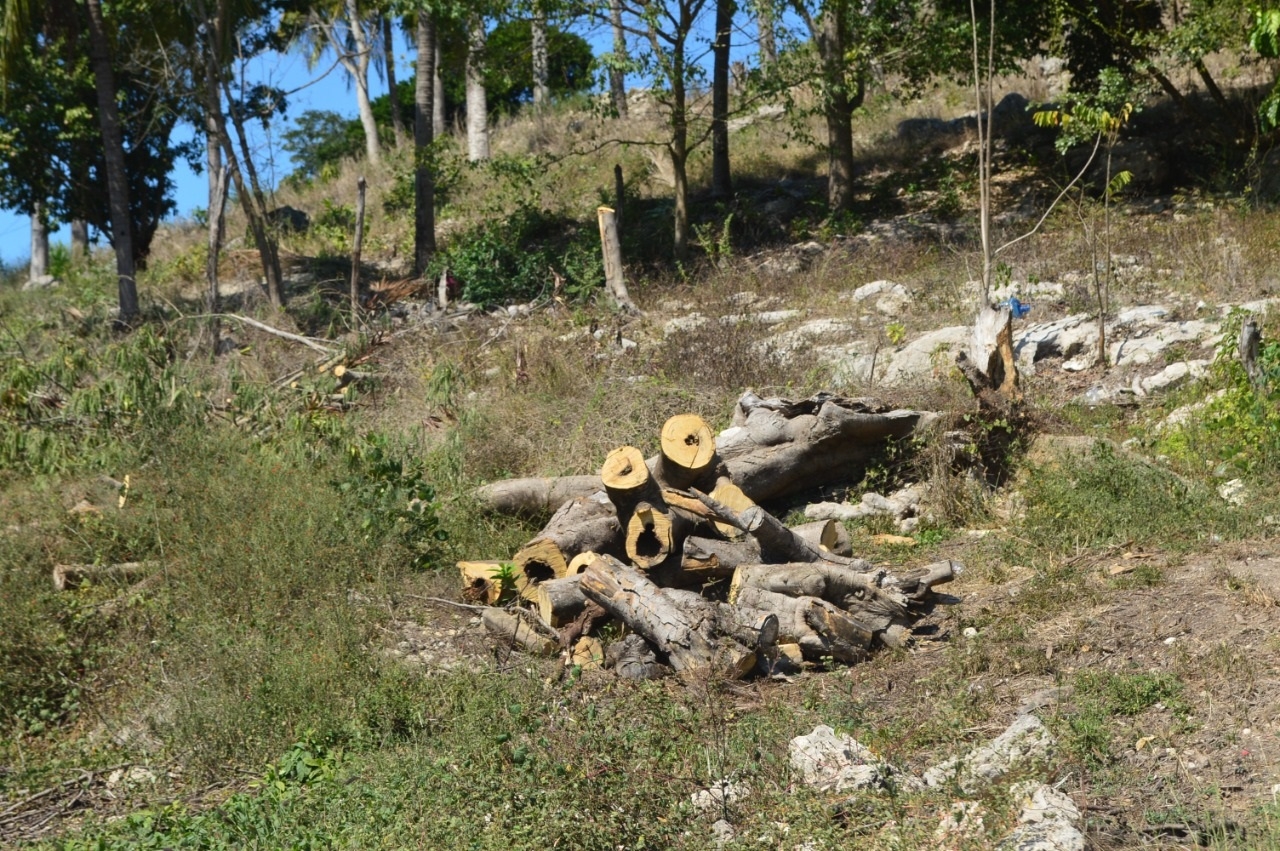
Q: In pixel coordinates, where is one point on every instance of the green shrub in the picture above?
(511, 259)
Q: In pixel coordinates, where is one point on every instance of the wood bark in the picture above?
(821, 628)
(535, 497)
(518, 632)
(1250, 346)
(857, 593)
(684, 628)
(424, 213)
(355, 253)
(632, 658)
(617, 76)
(437, 90)
(586, 524)
(775, 448)
(114, 156)
(538, 45)
(356, 63)
(711, 558)
(611, 246)
(721, 176)
(477, 105)
(79, 240)
(560, 601)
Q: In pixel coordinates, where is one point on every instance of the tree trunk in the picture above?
(113, 154)
(39, 268)
(424, 219)
(79, 240)
(357, 66)
(541, 93)
(254, 203)
(437, 93)
(537, 497)
(355, 253)
(679, 160)
(482, 581)
(617, 76)
(477, 106)
(389, 62)
(611, 245)
(829, 535)
(721, 177)
(838, 105)
(214, 130)
(768, 43)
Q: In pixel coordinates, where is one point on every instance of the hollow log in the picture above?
(559, 601)
(654, 536)
(482, 581)
(858, 594)
(685, 631)
(515, 630)
(829, 535)
(585, 524)
(821, 628)
(69, 576)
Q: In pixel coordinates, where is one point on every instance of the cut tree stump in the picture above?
(990, 368)
(654, 535)
(687, 632)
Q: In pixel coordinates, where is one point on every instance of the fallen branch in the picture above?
(284, 335)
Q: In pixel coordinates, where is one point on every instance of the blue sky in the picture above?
(315, 90)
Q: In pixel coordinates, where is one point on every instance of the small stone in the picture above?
(1025, 741)
(722, 831)
(970, 632)
(1234, 492)
(720, 793)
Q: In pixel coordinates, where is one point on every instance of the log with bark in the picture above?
(821, 628)
(694, 634)
(519, 632)
(585, 524)
(774, 449)
(858, 594)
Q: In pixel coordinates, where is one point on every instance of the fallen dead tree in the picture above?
(703, 579)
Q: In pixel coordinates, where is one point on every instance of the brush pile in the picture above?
(678, 549)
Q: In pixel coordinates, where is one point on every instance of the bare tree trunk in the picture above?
(764, 28)
(39, 245)
(214, 129)
(541, 93)
(437, 92)
(389, 62)
(721, 176)
(355, 253)
(618, 77)
(424, 222)
(79, 239)
(113, 153)
(838, 106)
(254, 203)
(679, 150)
(357, 65)
(477, 106)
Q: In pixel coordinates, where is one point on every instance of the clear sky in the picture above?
(314, 90)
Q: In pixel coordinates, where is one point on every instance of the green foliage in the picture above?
(1110, 498)
(1264, 37)
(390, 496)
(1099, 696)
(1239, 425)
(1083, 116)
(512, 259)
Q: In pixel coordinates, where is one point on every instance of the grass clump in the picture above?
(1100, 697)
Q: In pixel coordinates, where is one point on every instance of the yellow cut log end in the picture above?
(687, 442)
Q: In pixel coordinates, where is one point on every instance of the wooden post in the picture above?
(612, 249)
(355, 253)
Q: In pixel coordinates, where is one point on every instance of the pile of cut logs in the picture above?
(677, 548)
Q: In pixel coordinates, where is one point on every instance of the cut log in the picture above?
(686, 632)
(775, 448)
(536, 497)
(69, 576)
(728, 494)
(778, 447)
(624, 470)
(829, 535)
(519, 633)
(585, 524)
(821, 628)
(917, 584)
(482, 581)
(712, 558)
(778, 544)
(654, 536)
(559, 601)
(688, 455)
(588, 653)
(859, 594)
